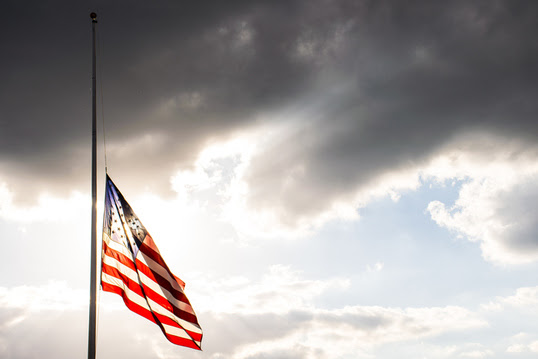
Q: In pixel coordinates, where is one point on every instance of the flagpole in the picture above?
(93, 267)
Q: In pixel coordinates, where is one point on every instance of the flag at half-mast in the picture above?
(132, 267)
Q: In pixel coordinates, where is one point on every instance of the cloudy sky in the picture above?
(332, 179)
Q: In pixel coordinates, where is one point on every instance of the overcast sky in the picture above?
(332, 179)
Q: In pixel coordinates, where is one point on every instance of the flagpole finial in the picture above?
(93, 16)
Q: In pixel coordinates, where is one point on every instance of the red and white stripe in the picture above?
(149, 289)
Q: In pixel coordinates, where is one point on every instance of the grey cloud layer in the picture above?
(395, 81)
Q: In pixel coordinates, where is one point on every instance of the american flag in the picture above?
(132, 267)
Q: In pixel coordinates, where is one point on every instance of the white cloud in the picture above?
(47, 208)
(52, 296)
(499, 185)
(495, 203)
(282, 316)
(280, 291)
(356, 331)
(242, 318)
(477, 354)
(525, 298)
(533, 347)
(516, 348)
(523, 343)
(220, 175)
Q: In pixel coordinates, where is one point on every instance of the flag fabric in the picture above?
(132, 267)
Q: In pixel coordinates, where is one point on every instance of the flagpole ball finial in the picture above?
(93, 16)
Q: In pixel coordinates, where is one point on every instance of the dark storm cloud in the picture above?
(411, 76)
(149, 55)
(423, 74)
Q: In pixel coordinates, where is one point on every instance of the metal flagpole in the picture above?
(93, 267)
